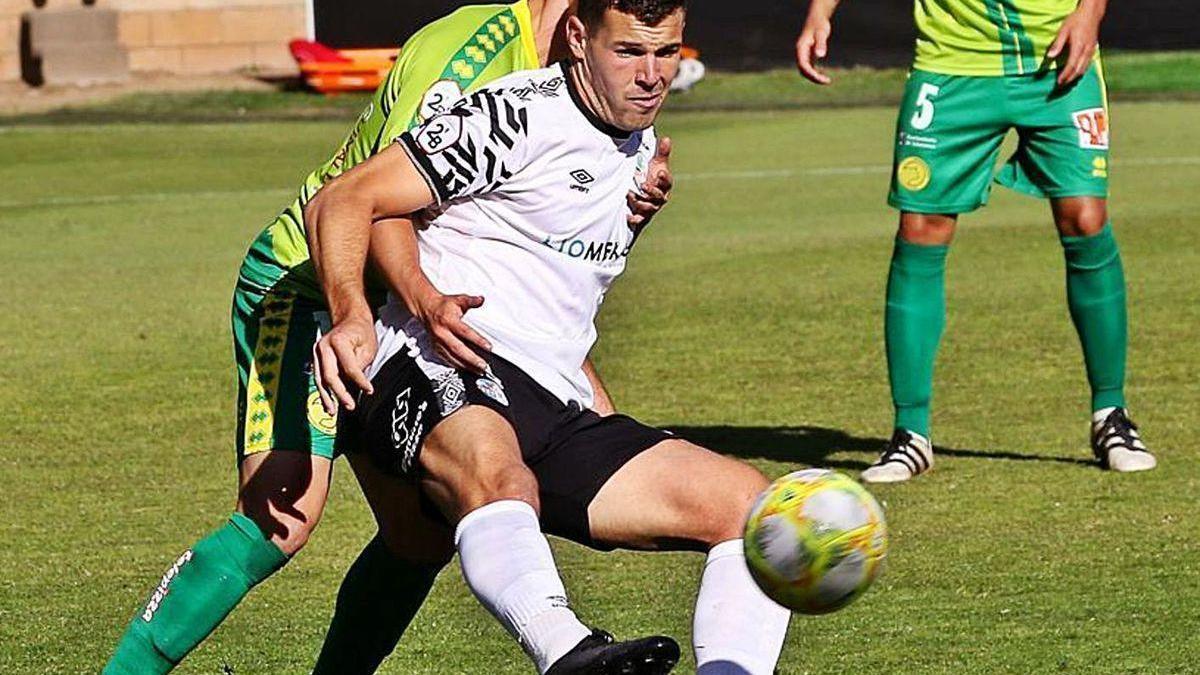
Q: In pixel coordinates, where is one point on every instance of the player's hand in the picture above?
(344, 354)
(655, 191)
(443, 318)
(812, 46)
(1076, 44)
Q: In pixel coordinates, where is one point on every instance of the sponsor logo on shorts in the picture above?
(492, 389)
(318, 418)
(164, 586)
(450, 390)
(439, 134)
(913, 174)
(407, 427)
(1099, 168)
(1093, 128)
(911, 140)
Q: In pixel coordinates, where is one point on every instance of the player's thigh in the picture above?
(675, 495)
(948, 135)
(472, 458)
(278, 405)
(1064, 138)
(408, 527)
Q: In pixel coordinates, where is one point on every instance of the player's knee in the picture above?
(483, 485)
(1080, 217)
(511, 481)
(927, 229)
(286, 532)
(722, 511)
(742, 493)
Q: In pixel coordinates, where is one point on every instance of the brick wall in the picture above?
(182, 36)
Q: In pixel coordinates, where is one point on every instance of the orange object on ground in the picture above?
(331, 71)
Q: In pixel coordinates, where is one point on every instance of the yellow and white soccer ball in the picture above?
(815, 540)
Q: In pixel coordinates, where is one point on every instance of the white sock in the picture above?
(507, 563)
(737, 630)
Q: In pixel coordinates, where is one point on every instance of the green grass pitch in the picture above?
(750, 319)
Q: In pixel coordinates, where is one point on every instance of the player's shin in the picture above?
(507, 563)
(736, 629)
(194, 596)
(913, 324)
(375, 605)
(1096, 297)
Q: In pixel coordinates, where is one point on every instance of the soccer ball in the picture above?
(815, 540)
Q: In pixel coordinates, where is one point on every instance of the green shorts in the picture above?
(950, 129)
(278, 406)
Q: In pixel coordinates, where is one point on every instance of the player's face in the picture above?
(629, 64)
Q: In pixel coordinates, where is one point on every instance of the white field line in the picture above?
(748, 174)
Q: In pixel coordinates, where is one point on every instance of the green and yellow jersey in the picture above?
(987, 37)
(451, 56)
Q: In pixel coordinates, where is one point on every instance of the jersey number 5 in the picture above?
(923, 117)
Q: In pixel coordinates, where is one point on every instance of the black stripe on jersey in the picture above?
(465, 149)
(437, 182)
(490, 170)
(456, 167)
(493, 112)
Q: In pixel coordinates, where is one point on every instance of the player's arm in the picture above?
(813, 43)
(1077, 40)
(602, 403)
(338, 225)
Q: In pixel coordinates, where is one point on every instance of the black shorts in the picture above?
(571, 451)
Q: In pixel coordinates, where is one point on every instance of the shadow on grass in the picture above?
(811, 445)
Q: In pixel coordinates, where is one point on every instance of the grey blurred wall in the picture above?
(749, 34)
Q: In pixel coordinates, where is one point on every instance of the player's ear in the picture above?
(577, 37)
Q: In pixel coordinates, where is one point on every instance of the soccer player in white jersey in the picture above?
(527, 182)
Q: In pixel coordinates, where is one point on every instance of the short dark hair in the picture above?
(649, 12)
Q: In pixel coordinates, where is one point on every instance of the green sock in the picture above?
(194, 596)
(377, 601)
(913, 323)
(1096, 296)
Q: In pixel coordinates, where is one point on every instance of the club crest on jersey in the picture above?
(438, 98)
(1093, 128)
(492, 389)
(439, 134)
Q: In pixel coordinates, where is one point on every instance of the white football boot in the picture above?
(904, 456)
(1116, 443)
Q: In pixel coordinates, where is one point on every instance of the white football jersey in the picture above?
(531, 215)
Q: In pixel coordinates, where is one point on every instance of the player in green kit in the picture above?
(285, 438)
(983, 67)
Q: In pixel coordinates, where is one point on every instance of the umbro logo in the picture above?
(582, 179)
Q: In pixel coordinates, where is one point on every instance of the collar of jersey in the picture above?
(604, 127)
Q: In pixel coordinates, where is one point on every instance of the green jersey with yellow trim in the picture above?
(447, 58)
(987, 37)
